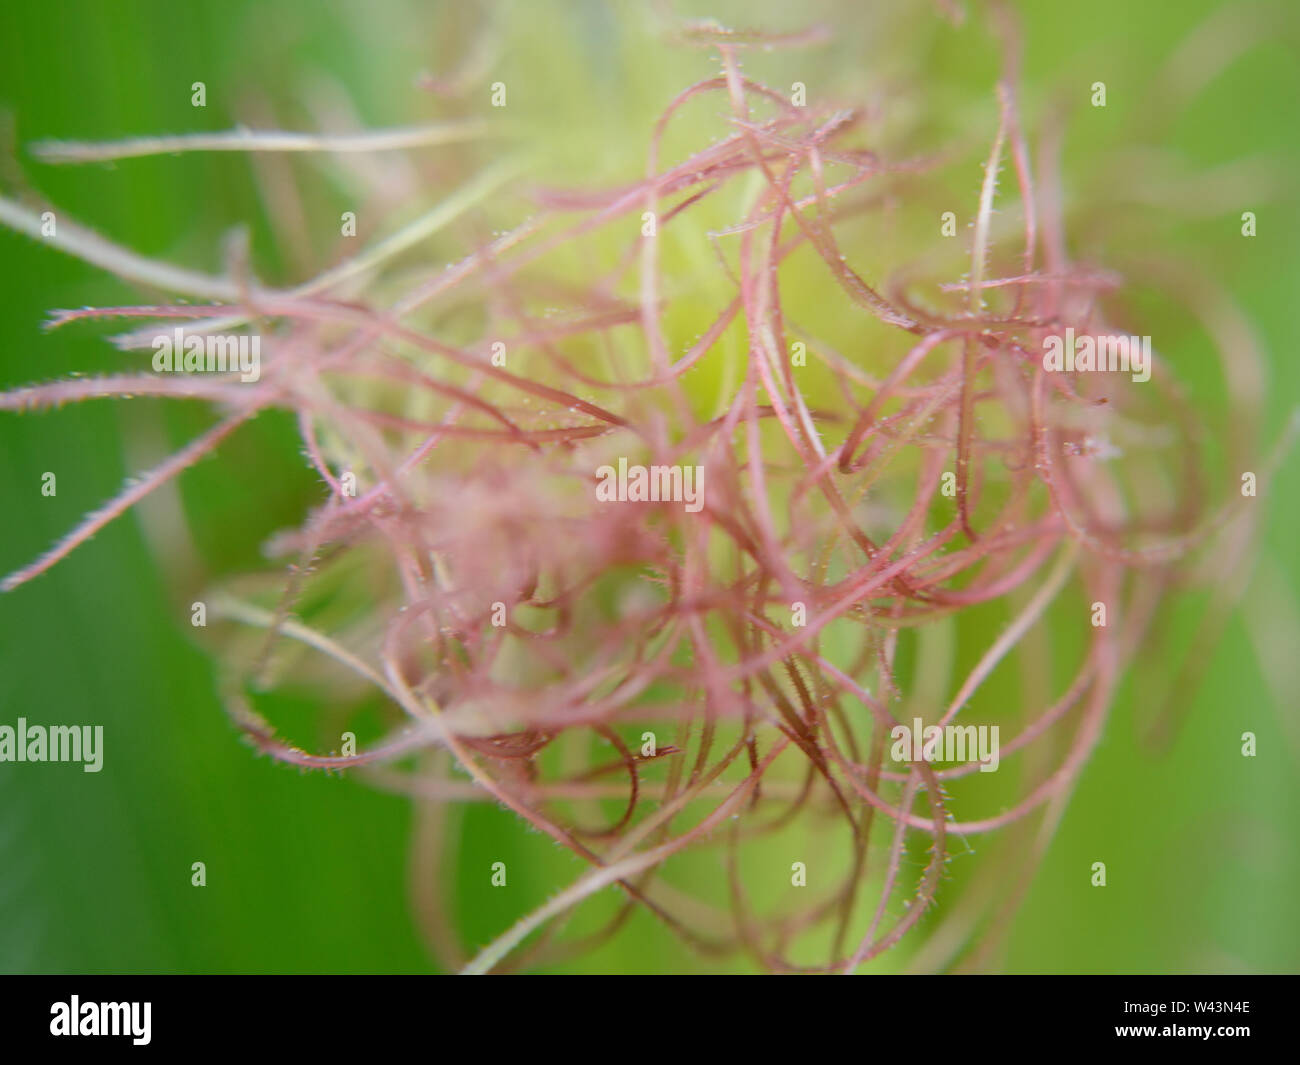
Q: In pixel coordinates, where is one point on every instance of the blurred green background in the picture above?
(314, 873)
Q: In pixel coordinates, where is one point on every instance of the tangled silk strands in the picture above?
(764, 644)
